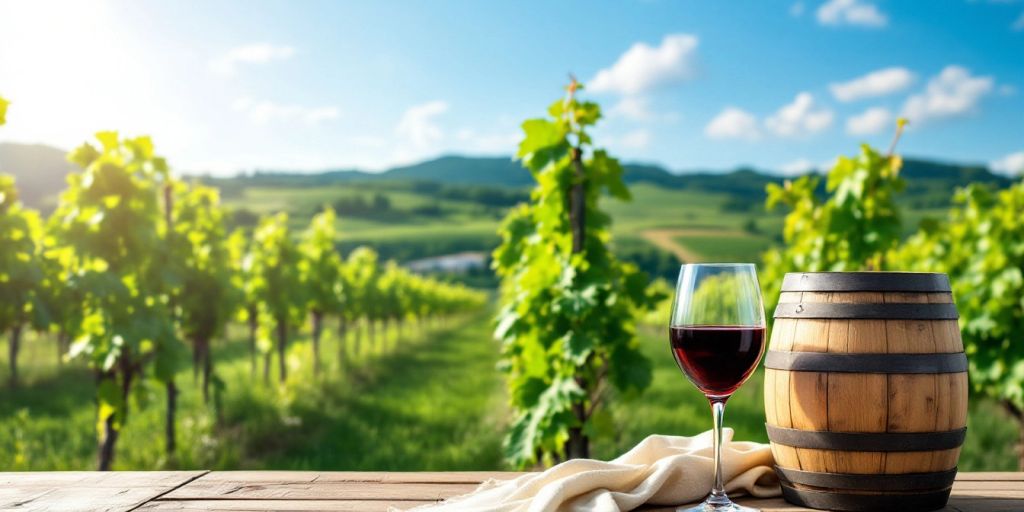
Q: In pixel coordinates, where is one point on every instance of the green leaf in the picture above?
(526, 393)
(83, 155)
(578, 346)
(630, 370)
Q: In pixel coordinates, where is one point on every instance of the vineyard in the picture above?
(134, 274)
(152, 323)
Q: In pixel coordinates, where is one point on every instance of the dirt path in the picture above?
(666, 240)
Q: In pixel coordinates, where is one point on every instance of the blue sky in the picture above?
(226, 86)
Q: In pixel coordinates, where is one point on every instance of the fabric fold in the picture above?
(661, 470)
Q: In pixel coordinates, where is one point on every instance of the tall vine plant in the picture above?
(20, 272)
(111, 215)
(320, 268)
(568, 305)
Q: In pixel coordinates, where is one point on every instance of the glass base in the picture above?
(718, 505)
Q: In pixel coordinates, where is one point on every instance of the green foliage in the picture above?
(110, 215)
(20, 272)
(981, 246)
(390, 292)
(243, 280)
(849, 230)
(277, 284)
(206, 296)
(276, 269)
(320, 266)
(360, 277)
(567, 321)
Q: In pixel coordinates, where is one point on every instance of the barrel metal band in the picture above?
(866, 363)
(823, 500)
(900, 482)
(906, 282)
(867, 441)
(891, 311)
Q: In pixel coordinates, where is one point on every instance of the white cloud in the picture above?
(954, 92)
(871, 121)
(637, 139)
(643, 68)
(797, 167)
(796, 10)
(799, 118)
(418, 127)
(877, 83)
(851, 12)
(263, 112)
(1019, 24)
(256, 53)
(733, 123)
(1011, 165)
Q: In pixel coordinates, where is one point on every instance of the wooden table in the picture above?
(327, 491)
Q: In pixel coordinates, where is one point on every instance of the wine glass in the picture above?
(717, 336)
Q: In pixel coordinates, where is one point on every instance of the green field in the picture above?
(727, 248)
(651, 207)
(427, 402)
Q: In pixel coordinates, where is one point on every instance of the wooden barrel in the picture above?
(866, 390)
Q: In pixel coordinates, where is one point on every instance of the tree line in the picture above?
(135, 273)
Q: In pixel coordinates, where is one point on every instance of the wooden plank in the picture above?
(957, 504)
(114, 492)
(117, 479)
(992, 485)
(992, 476)
(350, 491)
(318, 490)
(968, 504)
(273, 505)
(451, 477)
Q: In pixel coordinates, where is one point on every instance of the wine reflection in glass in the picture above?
(717, 336)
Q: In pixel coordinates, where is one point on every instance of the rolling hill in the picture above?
(40, 172)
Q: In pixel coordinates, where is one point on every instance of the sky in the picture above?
(229, 86)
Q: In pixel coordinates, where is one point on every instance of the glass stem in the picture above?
(718, 488)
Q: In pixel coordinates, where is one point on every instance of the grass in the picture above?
(428, 402)
(412, 406)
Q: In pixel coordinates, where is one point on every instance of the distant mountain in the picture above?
(40, 171)
(500, 171)
(465, 171)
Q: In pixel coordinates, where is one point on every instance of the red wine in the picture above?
(717, 358)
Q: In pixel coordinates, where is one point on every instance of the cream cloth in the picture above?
(661, 470)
